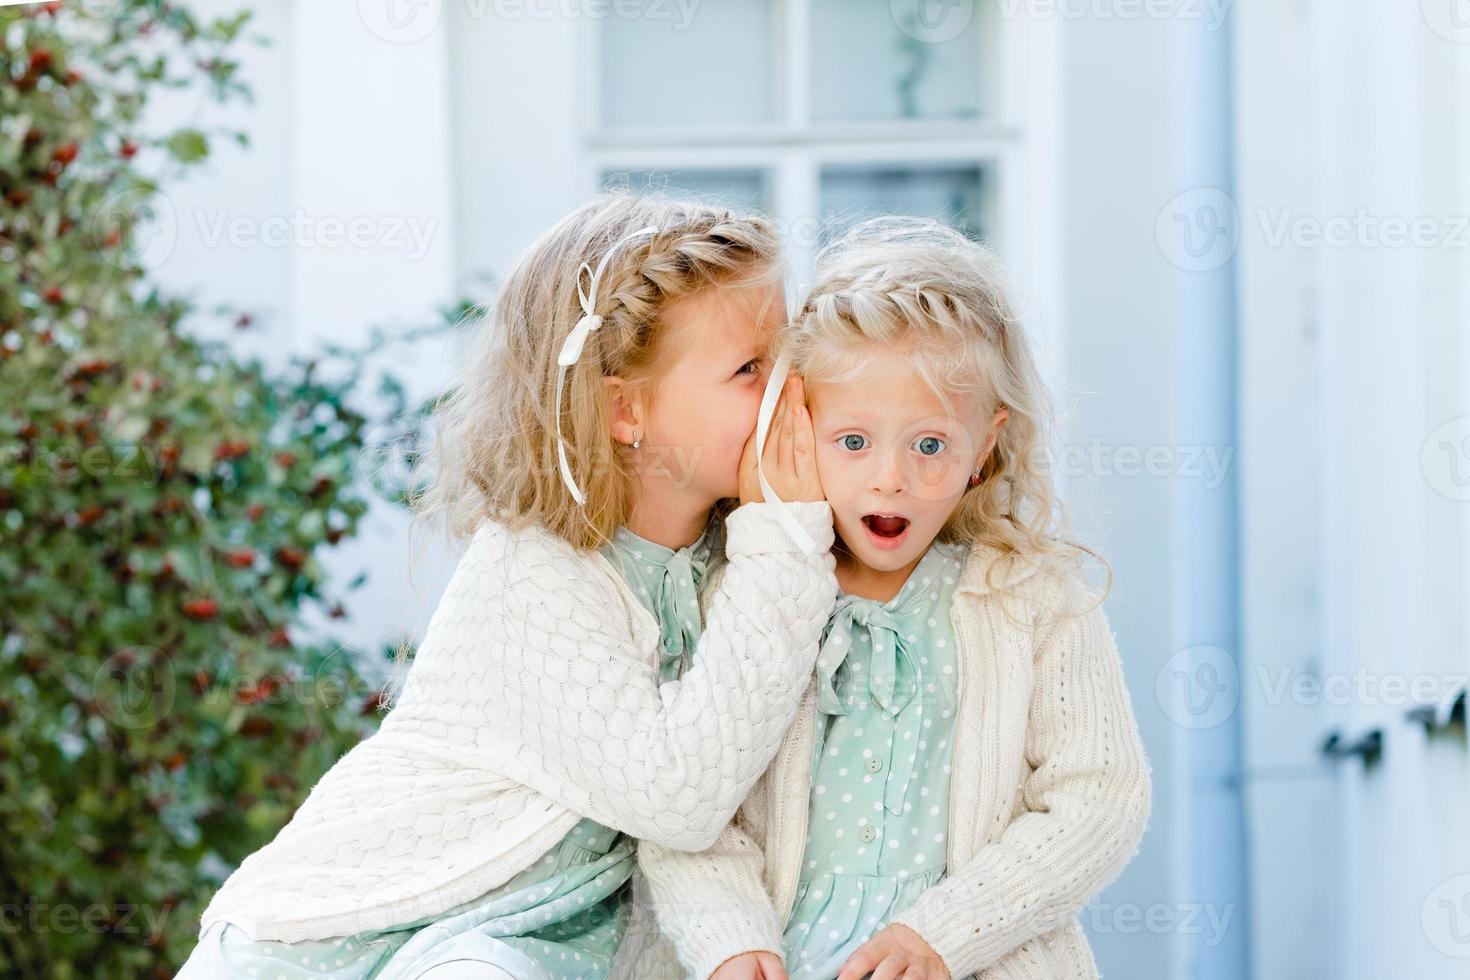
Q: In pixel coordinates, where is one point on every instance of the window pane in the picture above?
(735, 188)
(897, 59)
(710, 67)
(955, 194)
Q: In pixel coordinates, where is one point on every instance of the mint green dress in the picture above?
(878, 822)
(563, 917)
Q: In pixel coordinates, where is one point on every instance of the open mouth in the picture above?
(886, 530)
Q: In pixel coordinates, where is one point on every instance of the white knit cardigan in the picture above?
(533, 701)
(1050, 794)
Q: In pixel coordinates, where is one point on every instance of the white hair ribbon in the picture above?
(772, 394)
(571, 348)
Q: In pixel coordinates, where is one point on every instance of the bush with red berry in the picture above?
(163, 504)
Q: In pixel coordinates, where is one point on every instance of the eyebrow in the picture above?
(861, 418)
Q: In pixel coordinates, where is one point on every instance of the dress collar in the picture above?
(657, 555)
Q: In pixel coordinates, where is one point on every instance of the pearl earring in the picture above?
(635, 440)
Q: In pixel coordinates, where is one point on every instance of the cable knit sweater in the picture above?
(533, 701)
(1050, 794)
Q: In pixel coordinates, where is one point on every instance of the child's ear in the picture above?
(625, 410)
(993, 436)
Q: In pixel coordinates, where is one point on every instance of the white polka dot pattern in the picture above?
(1051, 794)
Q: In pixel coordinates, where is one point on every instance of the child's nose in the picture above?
(887, 476)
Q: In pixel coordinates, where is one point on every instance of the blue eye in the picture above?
(930, 445)
(848, 442)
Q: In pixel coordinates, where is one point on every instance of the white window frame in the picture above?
(1017, 145)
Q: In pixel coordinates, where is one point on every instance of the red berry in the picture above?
(240, 558)
(90, 515)
(127, 150)
(52, 294)
(65, 153)
(291, 558)
(201, 610)
(40, 61)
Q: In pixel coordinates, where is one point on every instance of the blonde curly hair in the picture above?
(920, 287)
(494, 452)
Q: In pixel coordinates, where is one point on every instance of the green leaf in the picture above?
(188, 146)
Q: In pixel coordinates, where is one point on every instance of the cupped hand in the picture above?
(758, 965)
(896, 951)
(790, 454)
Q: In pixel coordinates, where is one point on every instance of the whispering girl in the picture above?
(571, 693)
